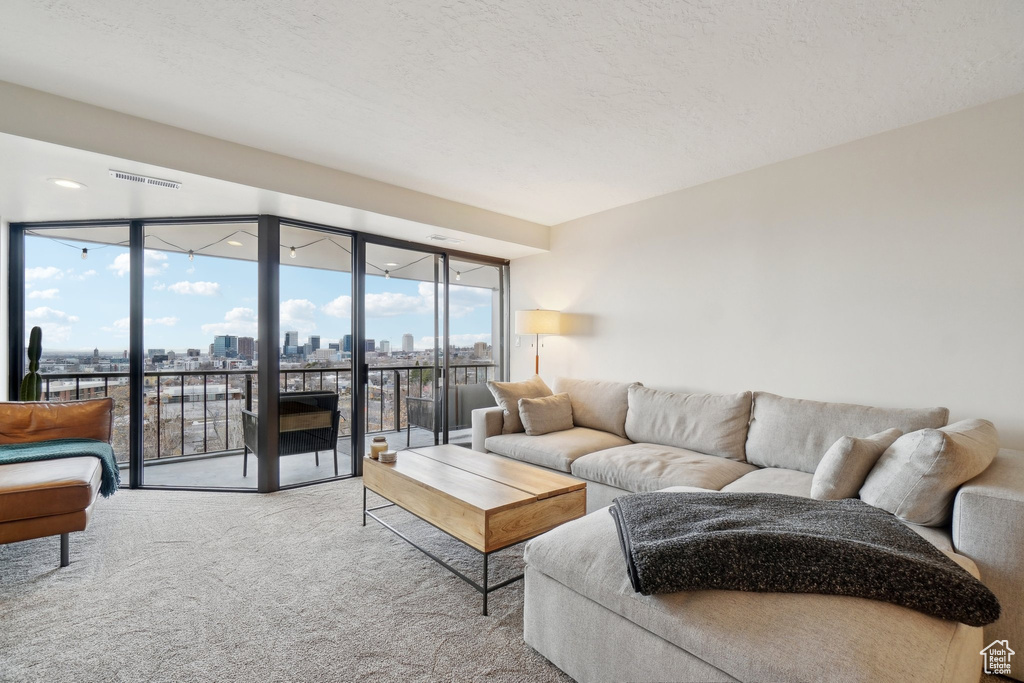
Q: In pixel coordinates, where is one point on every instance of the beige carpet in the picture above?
(179, 586)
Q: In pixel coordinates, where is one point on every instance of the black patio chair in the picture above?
(463, 399)
(309, 422)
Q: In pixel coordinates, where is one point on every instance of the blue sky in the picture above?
(81, 304)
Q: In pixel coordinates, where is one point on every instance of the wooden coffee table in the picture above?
(486, 501)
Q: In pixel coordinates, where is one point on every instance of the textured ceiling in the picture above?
(542, 110)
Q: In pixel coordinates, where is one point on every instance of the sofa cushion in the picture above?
(794, 433)
(758, 636)
(644, 467)
(556, 450)
(507, 395)
(773, 480)
(845, 466)
(546, 414)
(918, 476)
(43, 488)
(32, 422)
(715, 424)
(597, 404)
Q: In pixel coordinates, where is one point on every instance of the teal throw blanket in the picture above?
(67, 448)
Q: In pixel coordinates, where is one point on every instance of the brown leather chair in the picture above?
(51, 497)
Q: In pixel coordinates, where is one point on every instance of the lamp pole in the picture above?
(536, 357)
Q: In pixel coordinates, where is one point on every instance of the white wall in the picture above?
(4, 236)
(888, 271)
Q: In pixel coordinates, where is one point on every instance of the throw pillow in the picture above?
(846, 465)
(507, 395)
(918, 475)
(545, 415)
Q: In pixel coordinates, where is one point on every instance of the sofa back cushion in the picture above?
(40, 421)
(507, 395)
(795, 434)
(714, 424)
(596, 404)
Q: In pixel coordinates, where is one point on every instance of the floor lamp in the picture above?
(538, 322)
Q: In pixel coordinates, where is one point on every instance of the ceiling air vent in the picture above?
(145, 180)
(445, 239)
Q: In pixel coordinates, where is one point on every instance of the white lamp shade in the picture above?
(538, 322)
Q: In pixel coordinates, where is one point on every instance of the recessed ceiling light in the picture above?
(390, 265)
(70, 184)
(234, 243)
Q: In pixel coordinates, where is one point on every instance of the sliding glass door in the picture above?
(315, 340)
(403, 345)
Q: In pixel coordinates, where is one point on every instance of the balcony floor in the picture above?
(225, 471)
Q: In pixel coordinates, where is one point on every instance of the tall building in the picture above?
(314, 341)
(291, 338)
(191, 353)
(225, 346)
(371, 345)
(384, 347)
(481, 350)
(247, 347)
(407, 343)
(346, 344)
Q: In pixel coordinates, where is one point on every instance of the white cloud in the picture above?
(44, 294)
(159, 287)
(43, 273)
(340, 307)
(122, 324)
(154, 263)
(454, 340)
(47, 314)
(462, 301)
(239, 321)
(299, 315)
(84, 276)
(391, 304)
(56, 324)
(197, 288)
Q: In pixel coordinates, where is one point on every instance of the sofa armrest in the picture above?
(988, 527)
(486, 422)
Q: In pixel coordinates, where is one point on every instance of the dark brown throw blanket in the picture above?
(774, 543)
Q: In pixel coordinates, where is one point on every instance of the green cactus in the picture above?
(32, 385)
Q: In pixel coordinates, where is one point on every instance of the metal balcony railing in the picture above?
(198, 412)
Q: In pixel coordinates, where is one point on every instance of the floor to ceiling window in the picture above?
(177, 319)
(315, 340)
(403, 344)
(200, 320)
(74, 291)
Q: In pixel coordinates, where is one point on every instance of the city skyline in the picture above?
(83, 304)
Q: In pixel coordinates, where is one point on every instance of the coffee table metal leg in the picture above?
(485, 588)
(485, 584)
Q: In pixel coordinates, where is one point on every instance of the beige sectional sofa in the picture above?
(581, 611)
